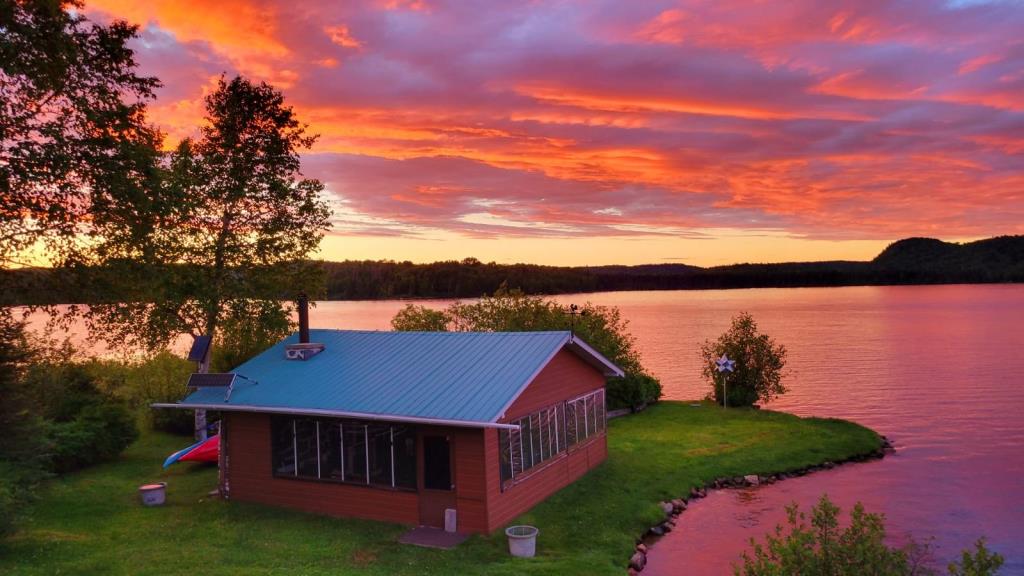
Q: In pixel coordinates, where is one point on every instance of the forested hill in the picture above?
(910, 261)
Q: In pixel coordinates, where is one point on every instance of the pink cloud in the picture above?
(827, 119)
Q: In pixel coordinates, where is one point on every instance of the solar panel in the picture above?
(200, 346)
(216, 380)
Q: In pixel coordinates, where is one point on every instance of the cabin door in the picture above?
(437, 491)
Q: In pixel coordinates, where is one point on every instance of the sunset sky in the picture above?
(703, 132)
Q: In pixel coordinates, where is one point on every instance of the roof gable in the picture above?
(453, 376)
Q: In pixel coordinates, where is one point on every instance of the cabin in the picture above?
(417, 428)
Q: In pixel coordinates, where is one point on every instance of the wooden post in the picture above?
(200, 415)
(223, 481)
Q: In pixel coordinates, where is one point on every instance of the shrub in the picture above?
(822, 548)
(633, 391)
(159, 378)
(17, 488)
(415, 318)
(759, 364)
(61, 389)
(84, 423)
(100, 432)
(982, 562)
(23, 448)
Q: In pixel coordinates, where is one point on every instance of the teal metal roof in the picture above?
(470, 377)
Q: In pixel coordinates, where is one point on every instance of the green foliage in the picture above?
(759, 364)
(61, 389)
(158, 378)
(23, 448)
(84, 424)
(601, 327)
(823, 547)
(415, 318)
(220, 237)
(18, 484)
(98, 433)
(635, 390)
(248, 331)
(982, 562)
(71, 124)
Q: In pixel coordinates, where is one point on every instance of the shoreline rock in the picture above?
(673, 508)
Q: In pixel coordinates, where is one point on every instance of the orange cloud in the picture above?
(813, 119)
(341, 36)
(238, 27)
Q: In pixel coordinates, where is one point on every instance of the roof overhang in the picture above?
(594, 358)
(334, 414)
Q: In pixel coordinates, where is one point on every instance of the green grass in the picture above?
(91, 523)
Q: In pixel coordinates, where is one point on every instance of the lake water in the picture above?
(939, 369)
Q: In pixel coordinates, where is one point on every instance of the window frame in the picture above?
(550, 426)
(279, 423)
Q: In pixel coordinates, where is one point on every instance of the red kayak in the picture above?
(203, 451)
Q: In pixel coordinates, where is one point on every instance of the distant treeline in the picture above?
(910, 261)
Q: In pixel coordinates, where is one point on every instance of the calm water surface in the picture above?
(938, 369)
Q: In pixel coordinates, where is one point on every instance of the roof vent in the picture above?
(302, 351)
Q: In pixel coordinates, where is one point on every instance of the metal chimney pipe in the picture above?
(303, 304)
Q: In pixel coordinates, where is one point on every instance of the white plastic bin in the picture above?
(153, 494)
(522, 541)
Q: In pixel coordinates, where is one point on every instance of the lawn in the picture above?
(91, 523)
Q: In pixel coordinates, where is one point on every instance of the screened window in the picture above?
(505, 453)
(354, 451)
(548, 433)
(585, 417)
(404, 443)
(344, 451)
(536, 439)
(571, 424)
(380, 454)
(330, 450)
(305, 448)
(283, 446)
(525, 437)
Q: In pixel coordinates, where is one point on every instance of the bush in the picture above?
(759, 364)
(61, 389)
(99, 433)
(633, 391)
(982, 562)
(17, 488)
(23, 447)
(822, 548)
(83, 423)
(159, 378)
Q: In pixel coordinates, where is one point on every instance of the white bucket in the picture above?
(522, 541)
(153, 494)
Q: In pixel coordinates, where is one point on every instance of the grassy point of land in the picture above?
(91, 522)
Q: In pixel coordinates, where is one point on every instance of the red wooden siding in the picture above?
(564, 378)
(251, 480)
(470, 483)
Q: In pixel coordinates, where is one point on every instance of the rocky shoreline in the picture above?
(674, 508)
